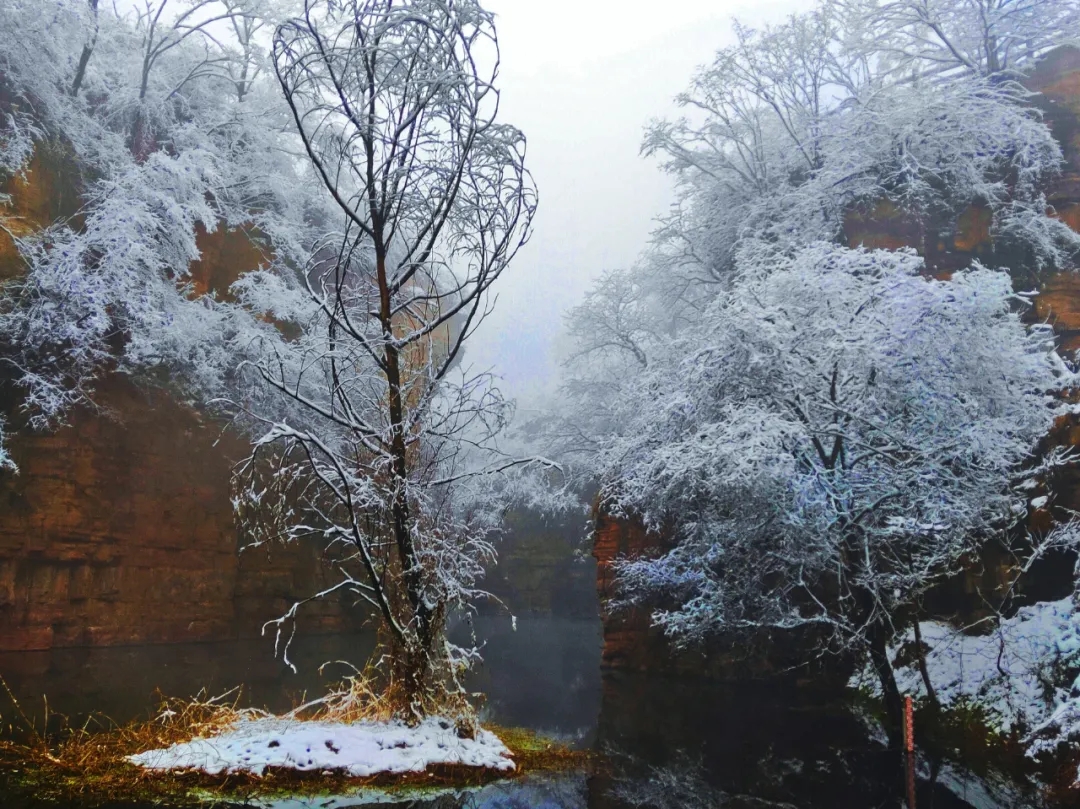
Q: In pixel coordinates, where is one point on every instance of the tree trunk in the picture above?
(894, 705)
(416, 669)
(421, 620)
(87, 52)
(921, 651)
(142, 142)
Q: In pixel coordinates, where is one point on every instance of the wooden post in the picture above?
(909, 749)
(909, 725)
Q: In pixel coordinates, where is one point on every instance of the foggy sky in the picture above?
(582, 78)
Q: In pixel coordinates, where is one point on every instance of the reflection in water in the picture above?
(681, 785)
(545, 675)
(674, 743)
(678, 742)
(120, 682)
(566, 791)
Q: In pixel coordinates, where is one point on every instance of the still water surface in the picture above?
(673, 743)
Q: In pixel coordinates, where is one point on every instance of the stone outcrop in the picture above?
(1057, 80)
(629, 640)
(46, 191)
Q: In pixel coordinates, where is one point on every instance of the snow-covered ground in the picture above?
(361, 749)
(1021, 674)
(1013, 672)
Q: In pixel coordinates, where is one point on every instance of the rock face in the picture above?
(118, 528)
(1057, 79)
(629, 640)
(44, 192)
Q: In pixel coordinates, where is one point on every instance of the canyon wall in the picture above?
(118, 528)
(629, 640)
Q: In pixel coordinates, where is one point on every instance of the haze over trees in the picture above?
(825, 431)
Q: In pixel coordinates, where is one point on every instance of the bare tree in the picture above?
(387, 446)
(247, 67)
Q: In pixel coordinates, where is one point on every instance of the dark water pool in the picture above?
(673, 743)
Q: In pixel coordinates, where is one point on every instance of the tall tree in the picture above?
(832, 439)
(390, 454)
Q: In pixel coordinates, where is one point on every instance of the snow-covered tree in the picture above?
(823, 432)
(109, 289)
(831, 439)
(795, 125)
(993, 39)
(389, 455)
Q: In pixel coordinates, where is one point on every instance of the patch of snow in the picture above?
(1039, 502)
(1013, 673)
(361, 749)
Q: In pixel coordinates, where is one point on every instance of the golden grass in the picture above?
(85, 767)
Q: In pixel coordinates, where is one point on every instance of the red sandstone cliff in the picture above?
(629, 640)
(118, 528)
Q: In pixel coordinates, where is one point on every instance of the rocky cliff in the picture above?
(118, 527)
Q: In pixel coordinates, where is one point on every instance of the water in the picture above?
(673, 743)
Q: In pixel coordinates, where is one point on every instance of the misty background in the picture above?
(582, 78)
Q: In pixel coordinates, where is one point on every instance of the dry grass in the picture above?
(85, 767)
(373, 695)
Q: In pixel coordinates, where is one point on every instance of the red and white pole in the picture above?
(909, 749)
